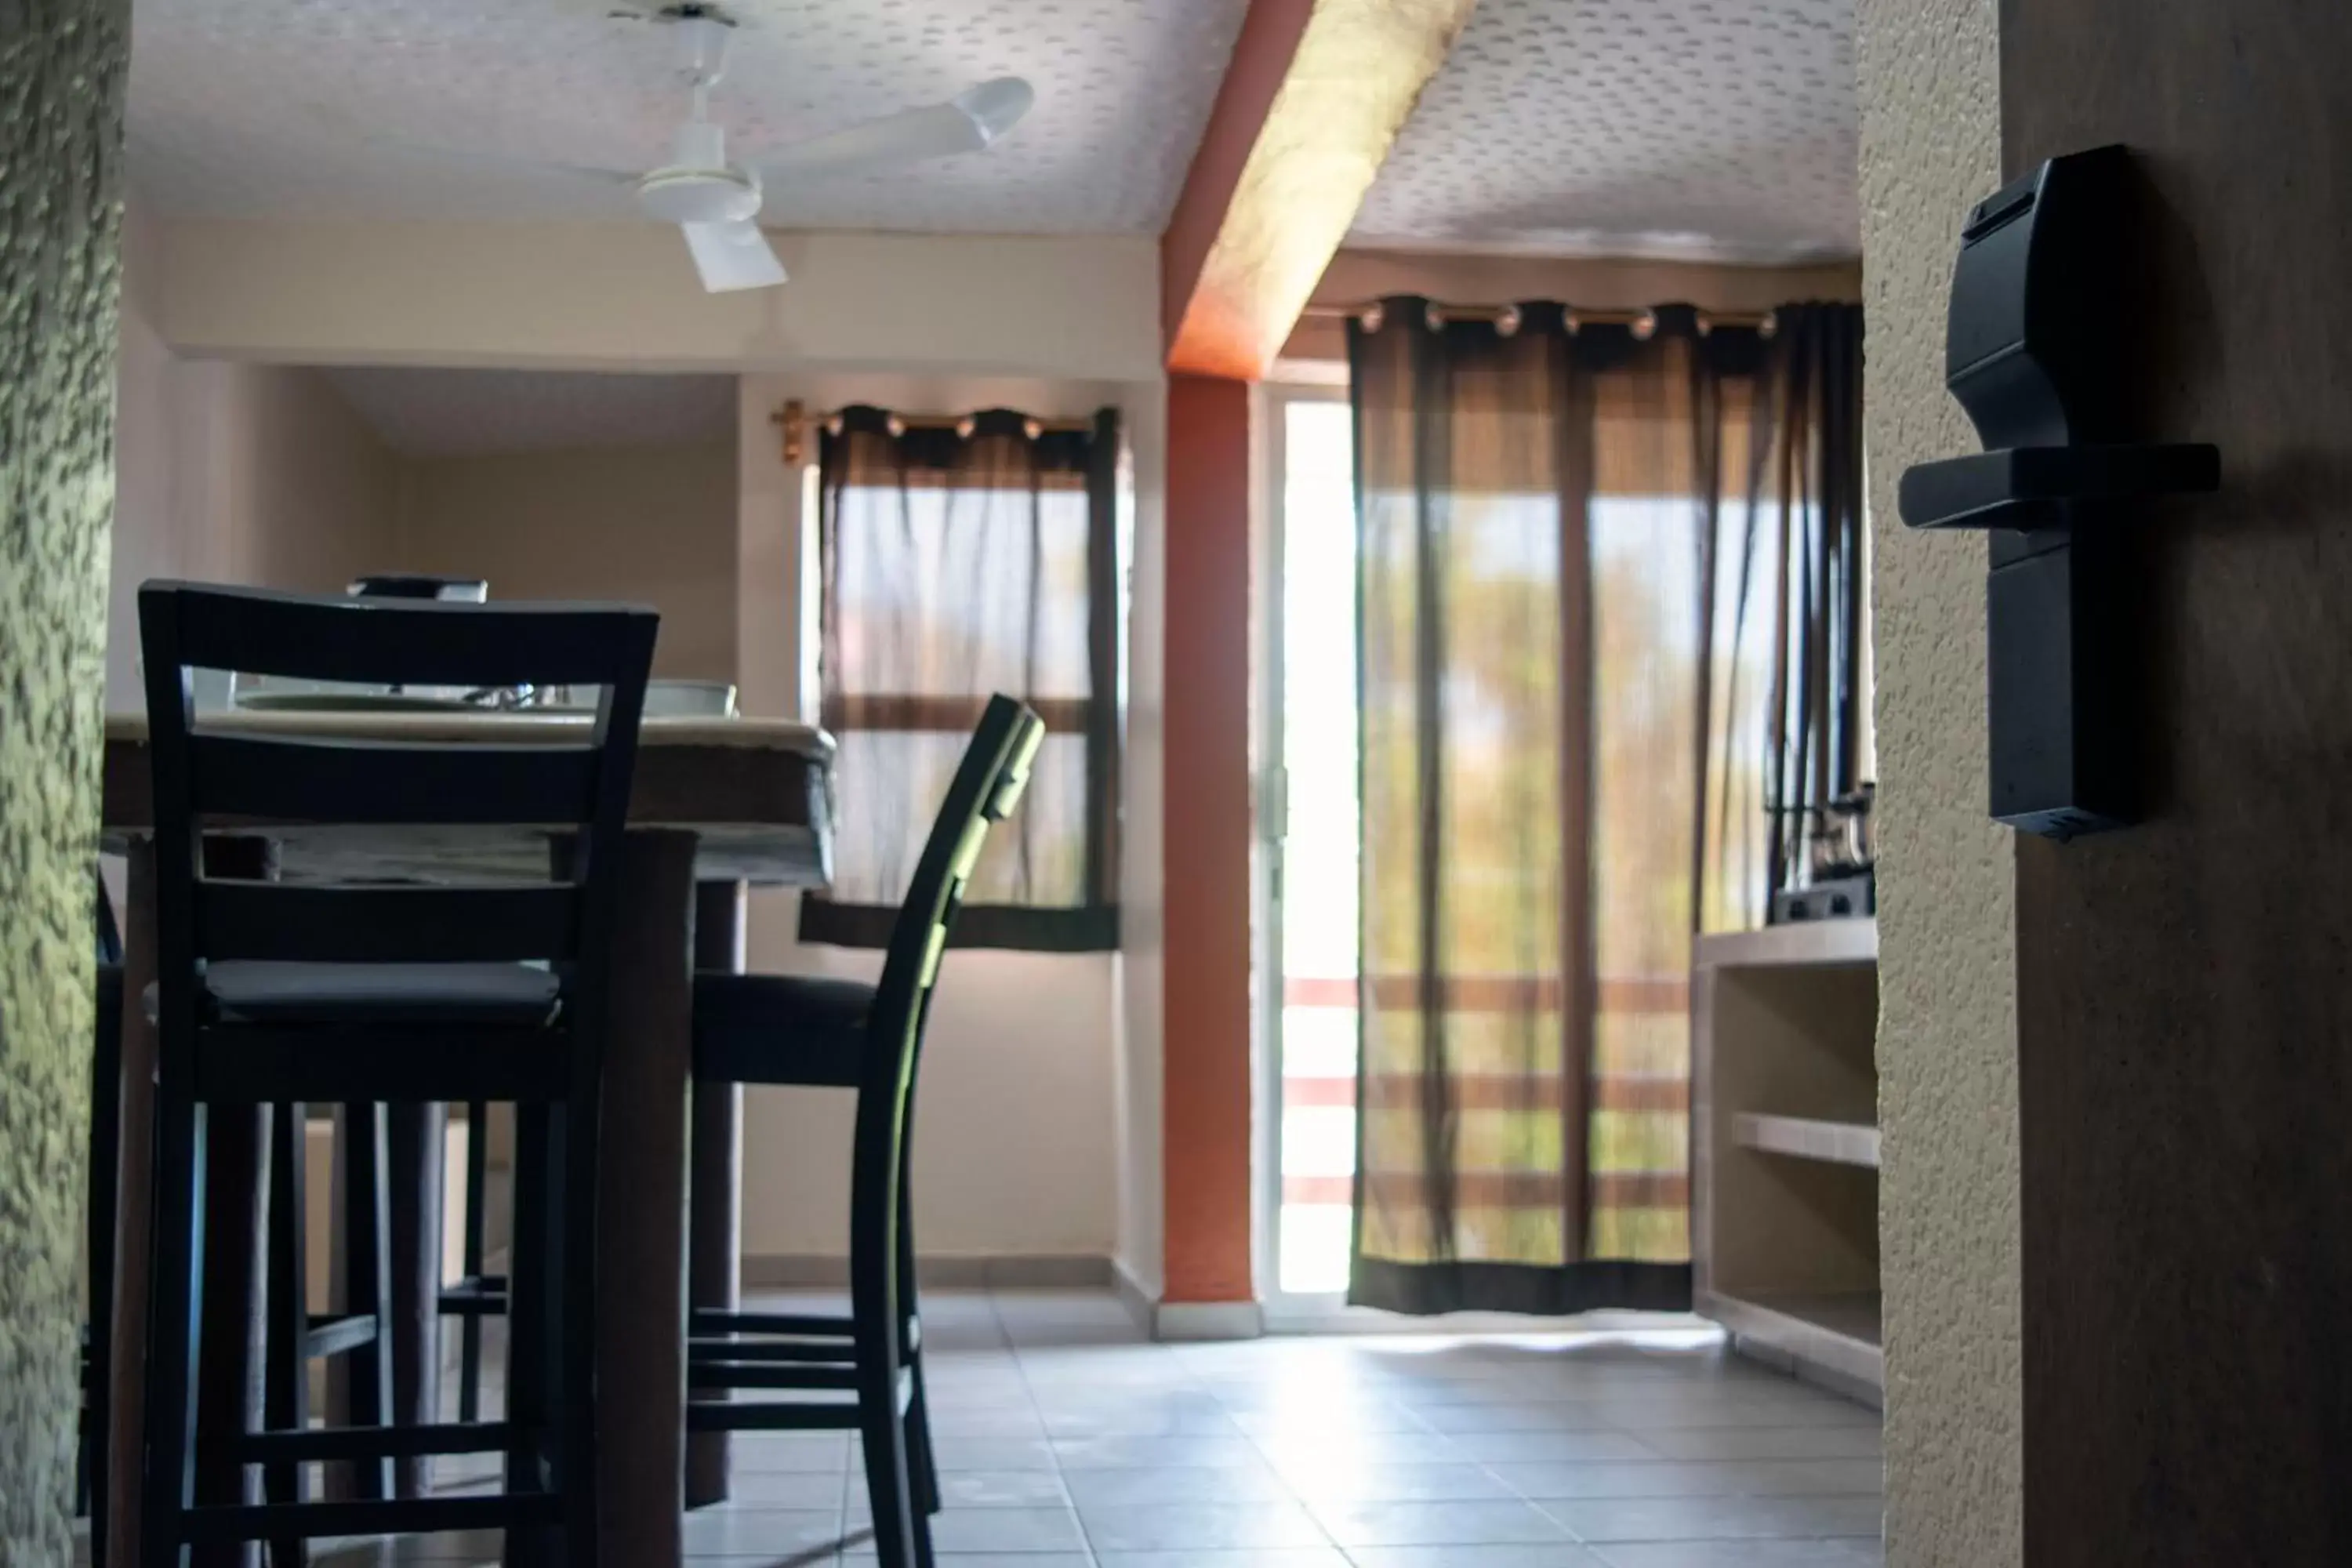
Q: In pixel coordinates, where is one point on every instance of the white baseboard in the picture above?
(1208, 1320)
(1140, 1300)
(1048, 1271)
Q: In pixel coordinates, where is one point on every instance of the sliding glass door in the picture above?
(1307, 815)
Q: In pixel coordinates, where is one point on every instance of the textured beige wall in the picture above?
(61, 76)
(653, 525)
(1930, 88)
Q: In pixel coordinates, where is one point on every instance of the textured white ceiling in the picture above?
(457, 413)
(363, 108)
(1713, 129)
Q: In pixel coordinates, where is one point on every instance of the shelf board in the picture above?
(1809, 1138)
(1838, 1331)
(1798, 943)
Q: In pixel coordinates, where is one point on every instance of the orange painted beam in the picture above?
(1310, 104)
(1206, 1081)
(1261, 62)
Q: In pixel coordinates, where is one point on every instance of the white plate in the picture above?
(352, 702)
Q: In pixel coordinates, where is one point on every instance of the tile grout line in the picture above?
(1029, 1392)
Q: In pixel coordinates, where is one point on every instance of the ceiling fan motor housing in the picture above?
(698, 196)
(697, 186)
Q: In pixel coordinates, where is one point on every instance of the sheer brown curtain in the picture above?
(1542, 511)
(1787, 708)
(959, 560)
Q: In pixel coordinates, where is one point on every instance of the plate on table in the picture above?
(354, 702)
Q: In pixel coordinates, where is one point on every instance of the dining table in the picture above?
(718, 804)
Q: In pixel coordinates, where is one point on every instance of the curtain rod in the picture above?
(794, 419)
(1507, 317)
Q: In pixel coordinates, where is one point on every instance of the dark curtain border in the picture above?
(1011, 927)
(1532, 1289)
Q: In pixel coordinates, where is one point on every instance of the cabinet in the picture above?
(1785, 1147)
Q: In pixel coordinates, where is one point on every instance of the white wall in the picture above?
(623, 296)
(302, 492)
(155, 522)
(649, 524)
(230, 472)
(1142, 870)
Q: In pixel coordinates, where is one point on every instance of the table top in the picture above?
(495, 726)
(756, 793)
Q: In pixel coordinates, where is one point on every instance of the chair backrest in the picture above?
(985, 790)
(209, 772)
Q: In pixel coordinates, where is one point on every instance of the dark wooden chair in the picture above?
(781, 1029)
(357, 993)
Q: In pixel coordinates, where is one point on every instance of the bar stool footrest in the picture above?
(333, 1443)
(211, 1525)
(338, 1333)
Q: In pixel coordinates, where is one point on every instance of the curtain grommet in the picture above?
(1433, 317)
(1371, 316)
(1507, 324)
(1645, 326)
(1770, 325)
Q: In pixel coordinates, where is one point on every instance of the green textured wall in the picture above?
(61, 74)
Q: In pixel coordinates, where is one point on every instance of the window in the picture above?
(960, 559)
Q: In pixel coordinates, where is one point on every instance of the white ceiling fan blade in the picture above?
(968, 122)
(732, 256)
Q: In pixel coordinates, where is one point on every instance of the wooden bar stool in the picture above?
(782, 1029)
(279, 993)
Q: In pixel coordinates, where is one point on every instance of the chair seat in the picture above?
(509, 994)
(779, 1028)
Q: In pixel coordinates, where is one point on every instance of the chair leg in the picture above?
(901, 1531)
(174, 1320)
(922, 1469)
(469, 1327)
(878, 1244)
(286, 1390)
(576, 1247)
(82, 1450)
(367, 1273)
(103, 1220)
(533, 1332)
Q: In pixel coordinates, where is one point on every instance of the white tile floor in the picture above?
(1066, 1441)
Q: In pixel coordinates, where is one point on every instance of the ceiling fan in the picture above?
(716, 204)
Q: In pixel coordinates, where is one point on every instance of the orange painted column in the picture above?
(1206, 1088)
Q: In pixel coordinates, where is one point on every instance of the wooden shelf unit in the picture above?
(1785, 1147)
